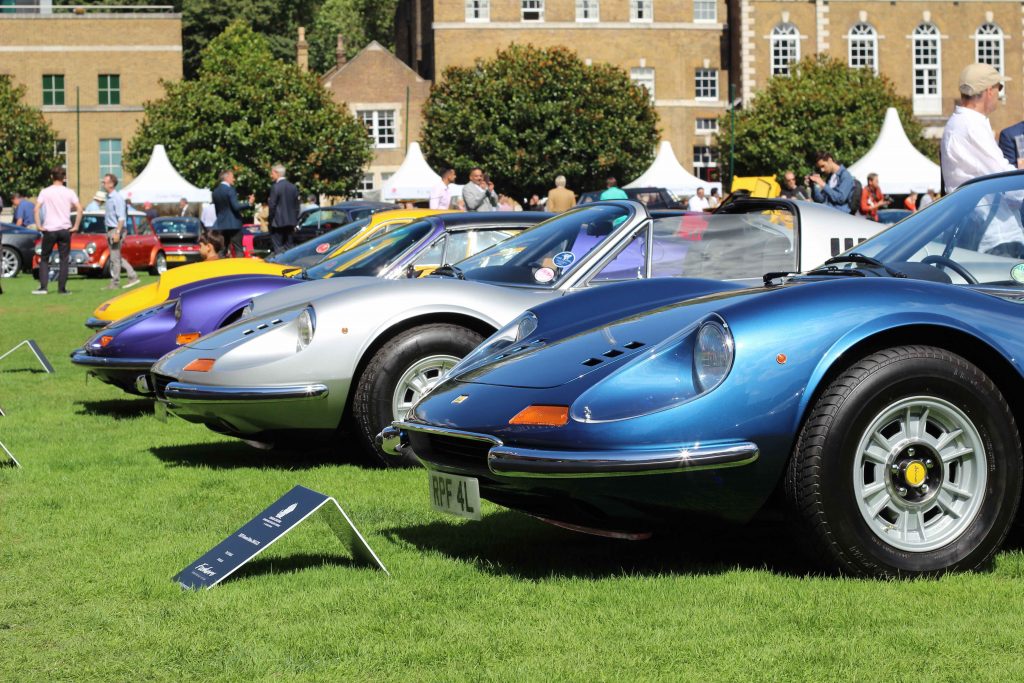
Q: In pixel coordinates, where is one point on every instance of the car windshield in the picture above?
(91, 225)
(316, 250)
(974, 236)
(373, 257)
(176, 226)
(545, 254)
(322, 216)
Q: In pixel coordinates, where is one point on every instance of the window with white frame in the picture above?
(380, 126)
(641, 10)
(532, 10)
(60, 148)
(478, 10)
(863, 47)
(706, 84)
(704, 159)
(365, 185)
(644, 77)
(988, 46)
(110, 157)
(588, 10)
(927, 54)
(705, 10)
(707, 126)
(785, 44)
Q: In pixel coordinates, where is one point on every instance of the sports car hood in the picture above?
(604, 347)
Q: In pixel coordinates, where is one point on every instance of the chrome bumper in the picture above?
(96, 323)
(182, 393)
(511, 461)
(78, 357)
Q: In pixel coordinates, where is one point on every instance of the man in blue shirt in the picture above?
(114, 219)
(24, 211)
(834, 192)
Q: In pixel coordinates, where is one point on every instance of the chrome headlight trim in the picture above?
(713, 354)
(305, 325)
(516, 331)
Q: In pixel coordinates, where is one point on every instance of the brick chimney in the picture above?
(302, 50)
(339, 52)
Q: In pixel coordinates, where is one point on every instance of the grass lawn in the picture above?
(111, 504)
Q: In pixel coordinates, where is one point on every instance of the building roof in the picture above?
(374, 47)
(160, 183)
(900, 167)
(666, 171)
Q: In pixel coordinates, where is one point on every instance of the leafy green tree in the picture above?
(358, 21)
(246, 110)
(823, 105)
(530, 114)
(26, 143)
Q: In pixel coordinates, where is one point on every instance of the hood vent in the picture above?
(612, 353)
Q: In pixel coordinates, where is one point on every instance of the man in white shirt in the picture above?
(969, 148)
(441, 195)
(698, 202)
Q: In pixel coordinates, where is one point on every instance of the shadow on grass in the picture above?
(119, 409)
(237, 454)
(513, 544)
(290, 564)
(31, 371)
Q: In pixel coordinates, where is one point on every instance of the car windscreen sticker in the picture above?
(544, 275)
(322, 248)
(1017, 272)
(564, 259)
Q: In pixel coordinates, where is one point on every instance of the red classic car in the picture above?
(90, 254)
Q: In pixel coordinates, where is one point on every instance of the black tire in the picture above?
(11, 260)
(159, 264)
(820, 481)
(371, 400)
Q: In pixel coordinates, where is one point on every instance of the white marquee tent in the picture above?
(666, 171)
(900, 167)
(160, 183)
(413, 180)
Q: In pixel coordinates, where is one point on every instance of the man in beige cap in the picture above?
(969, 148)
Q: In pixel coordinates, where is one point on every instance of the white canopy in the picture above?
(160, 183)
(667, 172)
(900, 167)
(413, 180)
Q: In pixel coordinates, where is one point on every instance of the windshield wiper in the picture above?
(448, 270)
(854, 257)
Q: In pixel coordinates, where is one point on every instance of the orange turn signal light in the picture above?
(187, 338)
(545, 416)
(106, 339)
(200, 365)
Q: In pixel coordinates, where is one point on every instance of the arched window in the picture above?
(863, 47)
(927, 70)
(988, 46)
(785, 43)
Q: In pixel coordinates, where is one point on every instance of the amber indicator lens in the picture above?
(200, 365)
(106, 339)
(187, 338)
(546, 416)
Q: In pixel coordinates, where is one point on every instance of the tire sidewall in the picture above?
(903, 378)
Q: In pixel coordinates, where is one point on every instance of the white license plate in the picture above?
(459, 496)
(72, 270)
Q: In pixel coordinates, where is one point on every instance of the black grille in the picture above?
(160, 383)
(450, 450)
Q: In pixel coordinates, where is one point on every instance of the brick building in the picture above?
(388, 97)
(90, 73)
(677, 49)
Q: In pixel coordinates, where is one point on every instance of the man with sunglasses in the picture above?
(969, 148)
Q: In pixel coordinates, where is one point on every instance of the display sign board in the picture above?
(40, 356)
(270, 525)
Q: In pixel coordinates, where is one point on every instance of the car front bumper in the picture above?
(124, 373)
(248, 412)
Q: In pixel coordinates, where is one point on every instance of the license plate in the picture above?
(455, 495)
(72, 270)
(175, 259)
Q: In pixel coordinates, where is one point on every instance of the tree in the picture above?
(246, 110)
(26, 143)
(358, 21)
(531, 114)
(822, 105)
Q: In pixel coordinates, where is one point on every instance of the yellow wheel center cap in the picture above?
(915, 473)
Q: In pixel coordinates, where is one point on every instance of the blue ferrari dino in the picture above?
(878, 395)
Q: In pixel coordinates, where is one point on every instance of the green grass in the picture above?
(111, 504)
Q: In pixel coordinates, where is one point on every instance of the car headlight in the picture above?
(247, 311)
(38, 250)
(676, 371)
(90, 248)
(177, 310)
(306, 323)
(516, 331)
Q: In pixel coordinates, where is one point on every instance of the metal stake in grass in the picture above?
(40, 356)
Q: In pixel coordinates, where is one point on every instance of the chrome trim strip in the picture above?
(511, 461)
(79, 358)
(183, 393)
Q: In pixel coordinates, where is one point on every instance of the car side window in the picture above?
(432, 255)
(360, 213)
(129, 225)
(629, 264)
(143, 226)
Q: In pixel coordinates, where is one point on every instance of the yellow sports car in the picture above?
(286, 264)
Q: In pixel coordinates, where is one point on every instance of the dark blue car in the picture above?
(878, 396)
